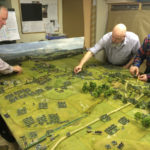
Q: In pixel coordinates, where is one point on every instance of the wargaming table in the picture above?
(50, 107)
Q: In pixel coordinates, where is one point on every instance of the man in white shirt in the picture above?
(120, 47)
(4, 67)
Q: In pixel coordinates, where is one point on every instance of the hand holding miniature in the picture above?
(143, 77)
(134, 70)
(77, 69)
(17, 69)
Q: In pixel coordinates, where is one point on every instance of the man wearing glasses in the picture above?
(120, 48)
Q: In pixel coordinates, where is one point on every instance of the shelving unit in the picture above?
(129, 6)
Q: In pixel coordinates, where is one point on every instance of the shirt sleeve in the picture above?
(148, 77)
(136, 47)
(141, 54)
(5, 68)
(100, 44)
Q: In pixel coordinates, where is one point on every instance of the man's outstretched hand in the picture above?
(134, 70)
(17, 69)
(143, 77)
(77, 69)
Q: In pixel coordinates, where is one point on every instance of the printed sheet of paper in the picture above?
(9, 31)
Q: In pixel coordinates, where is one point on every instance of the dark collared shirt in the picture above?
(144, 53)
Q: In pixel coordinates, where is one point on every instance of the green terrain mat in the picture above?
(45, 107)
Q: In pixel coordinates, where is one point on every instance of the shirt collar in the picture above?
(123, 43)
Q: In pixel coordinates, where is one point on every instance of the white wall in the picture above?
(101, 22)
(102, 15)
(102, 12)
(30, 37)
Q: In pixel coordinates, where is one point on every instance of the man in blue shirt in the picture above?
(120, 47)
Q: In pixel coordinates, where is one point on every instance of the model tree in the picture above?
(92, 86)
(146, 122)
(138, 116)
(124, 100)
(96, 91)
(95, 94)
(148, 106)
(85, 87)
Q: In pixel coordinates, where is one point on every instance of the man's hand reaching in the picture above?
(134, 70)
(77, 69)
(17, 69)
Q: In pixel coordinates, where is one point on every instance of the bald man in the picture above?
(120, 47)
(4, 67)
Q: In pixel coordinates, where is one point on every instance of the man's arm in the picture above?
(85, 58)
(134, 52)
(141, 55)
(92, 51)
(129, 63)
(6, 68)
(143, 77)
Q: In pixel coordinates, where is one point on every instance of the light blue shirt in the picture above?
(121, 54)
